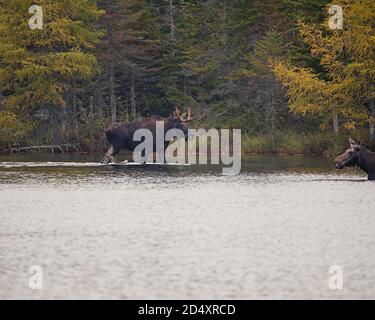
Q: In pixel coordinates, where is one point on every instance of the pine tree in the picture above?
(176, 36)
(219, 35)
(266, 50)
(130, 55)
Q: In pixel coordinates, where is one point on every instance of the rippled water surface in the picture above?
(184, 231)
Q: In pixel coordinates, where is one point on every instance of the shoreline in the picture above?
(285, 143)
(98, 153)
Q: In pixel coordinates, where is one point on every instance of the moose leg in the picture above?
(109, 156)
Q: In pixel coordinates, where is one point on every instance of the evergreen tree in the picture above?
(130, 55)
(270, 95)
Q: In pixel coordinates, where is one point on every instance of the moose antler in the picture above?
(177, 113)
(189, 118)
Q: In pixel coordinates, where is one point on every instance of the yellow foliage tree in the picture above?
(346, 88)
(38, 67)
(10, 127)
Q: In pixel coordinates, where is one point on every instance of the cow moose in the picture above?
(120, 136)
(357, 155)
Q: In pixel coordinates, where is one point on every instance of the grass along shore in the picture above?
(292, 143)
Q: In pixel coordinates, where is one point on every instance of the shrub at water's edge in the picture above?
(289, 143)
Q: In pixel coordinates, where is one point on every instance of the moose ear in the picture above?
(352, 142)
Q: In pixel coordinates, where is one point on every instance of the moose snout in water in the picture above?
(357, 155)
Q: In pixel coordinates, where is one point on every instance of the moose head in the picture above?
(181, 120)
(350, 157)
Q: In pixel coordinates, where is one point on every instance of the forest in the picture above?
(274, 69)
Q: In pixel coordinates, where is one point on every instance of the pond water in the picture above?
(184, 232)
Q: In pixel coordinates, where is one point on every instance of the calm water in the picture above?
(185, 232)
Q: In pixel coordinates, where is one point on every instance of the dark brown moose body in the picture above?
(121, 136)
(357, 155)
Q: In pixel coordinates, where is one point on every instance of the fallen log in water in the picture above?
(53, 148)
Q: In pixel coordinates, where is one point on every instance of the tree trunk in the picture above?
(335, 123)
(272, 111)
(74, 113)
(91, 118)
(187, 87)
(225, 34)
(57, 125)
(91, 107)
(1, 100)
(132, 98)
(231, 86)
(127, 114)
(112, 95)
(111, 81)
(172, 33)
(372, 121)
(100, 104)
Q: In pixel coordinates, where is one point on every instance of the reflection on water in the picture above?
(184, 231)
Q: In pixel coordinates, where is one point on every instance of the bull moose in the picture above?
(120, 136)
(357, 155)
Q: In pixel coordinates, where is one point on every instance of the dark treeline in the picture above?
(272, 68)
